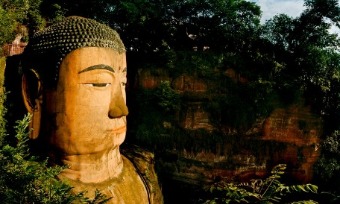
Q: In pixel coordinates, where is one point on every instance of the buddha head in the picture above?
(73, 84)
(74, 87)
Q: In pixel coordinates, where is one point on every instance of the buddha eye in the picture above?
(98, 84)
(123, 83)
(101, 84)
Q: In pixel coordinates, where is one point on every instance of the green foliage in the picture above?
(2, 120)
(150, 128)
(98, 198)
(156, 26)
(15, 15)
(240, 105)
(201, 64)
(52, 12)
(25, 180)
(166, 98)
(2, 73)
(268, 190)
(160, 105)
(327, 168)
(12, 13)
(24, 17)
(309, 55)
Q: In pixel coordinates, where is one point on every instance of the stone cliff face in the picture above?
(297, 127)
(192, 115)
(288, 135)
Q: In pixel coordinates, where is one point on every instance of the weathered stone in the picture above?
(186, 83)
(150, 79)
(288, 135)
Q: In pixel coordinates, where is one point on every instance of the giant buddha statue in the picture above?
(74, 77)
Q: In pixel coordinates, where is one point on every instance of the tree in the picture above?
(308, 54)
(12, 14)
(310, 63)
(23, 17)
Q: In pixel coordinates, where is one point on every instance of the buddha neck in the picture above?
(92, 168)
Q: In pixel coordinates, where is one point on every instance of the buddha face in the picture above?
(86, 113)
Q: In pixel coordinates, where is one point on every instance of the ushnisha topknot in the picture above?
(47, 48)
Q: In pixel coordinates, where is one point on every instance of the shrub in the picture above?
(269, 190)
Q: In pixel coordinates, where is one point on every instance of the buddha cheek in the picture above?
(92, 112)
(78, 131)
(91, 122)
(94, 131)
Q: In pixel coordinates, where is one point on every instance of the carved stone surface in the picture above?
(80, 119)
(193, 116)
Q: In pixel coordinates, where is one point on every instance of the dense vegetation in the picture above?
(283, 60)
(269, 190)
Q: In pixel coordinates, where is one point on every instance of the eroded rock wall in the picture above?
(288, 135)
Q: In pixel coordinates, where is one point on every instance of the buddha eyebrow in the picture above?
(98, 66)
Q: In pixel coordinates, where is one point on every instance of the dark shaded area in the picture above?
(178, 192)
(14, 102)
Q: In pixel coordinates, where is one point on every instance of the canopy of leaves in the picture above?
(309, 55)
(14, 15)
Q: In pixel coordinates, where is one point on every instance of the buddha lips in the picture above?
(119, 130)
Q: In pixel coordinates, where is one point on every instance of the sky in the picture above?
(292, 8)
(270, 8)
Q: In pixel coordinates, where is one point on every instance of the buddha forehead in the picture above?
(47, 48)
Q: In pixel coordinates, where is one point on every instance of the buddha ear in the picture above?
(32, 96)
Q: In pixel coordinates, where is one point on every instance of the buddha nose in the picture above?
(118, 106)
